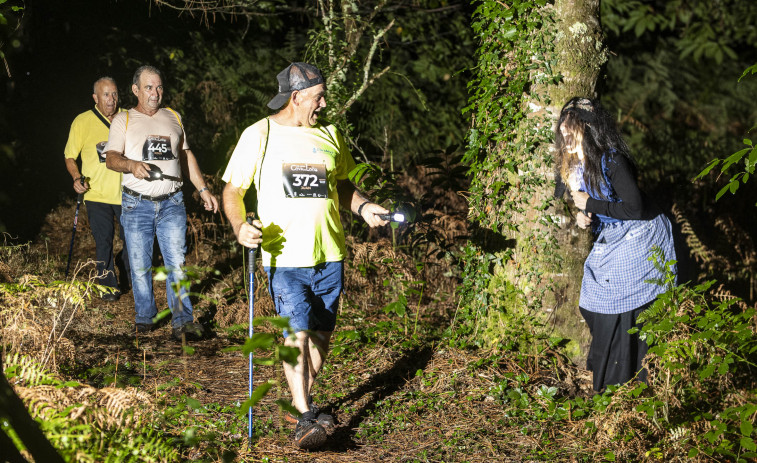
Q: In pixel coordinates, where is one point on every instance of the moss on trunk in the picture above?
(514, 173)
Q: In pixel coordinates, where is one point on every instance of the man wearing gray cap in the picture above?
(299, 169)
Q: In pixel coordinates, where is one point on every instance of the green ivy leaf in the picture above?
(257, 394)
(746, 428)
(288, 354)
(748, 443)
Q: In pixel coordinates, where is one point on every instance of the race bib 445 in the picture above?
(157, 148)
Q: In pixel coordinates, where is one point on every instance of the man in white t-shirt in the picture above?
(149, 146)
(299, 170)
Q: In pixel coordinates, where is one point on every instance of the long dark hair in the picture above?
(590, 124)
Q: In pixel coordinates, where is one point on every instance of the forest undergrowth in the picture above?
(403, 380)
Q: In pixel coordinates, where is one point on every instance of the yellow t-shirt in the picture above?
(87, 137)
(296, 183)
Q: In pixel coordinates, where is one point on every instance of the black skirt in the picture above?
(615, 356)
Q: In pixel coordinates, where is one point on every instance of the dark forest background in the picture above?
(218, 74)
(672, 79)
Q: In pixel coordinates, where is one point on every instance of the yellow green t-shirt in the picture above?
(87, 137)
(296, 183)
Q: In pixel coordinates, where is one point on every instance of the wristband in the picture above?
(360, 208)
(202, 189)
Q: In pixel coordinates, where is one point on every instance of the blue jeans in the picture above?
(309, 296)
(142, 221)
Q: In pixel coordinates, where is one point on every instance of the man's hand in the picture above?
(584, 220)
(370, 213)
(81, 185)
(139, 169)
(118, 162)
(210, 200)
(580, 198)
(249, 236)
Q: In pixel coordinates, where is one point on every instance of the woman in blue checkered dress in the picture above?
(594, 162)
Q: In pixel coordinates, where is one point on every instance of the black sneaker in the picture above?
(327, 421)
(145, 327)
(111, 296)
(309, 434)
(190, 330)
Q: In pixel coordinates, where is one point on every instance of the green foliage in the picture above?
(700, 399)
(708, 30)
(507, 158)
(748, 155)
(672, 79)
(395, 72)
(79, 432)
(503, 143)
(477, 268)
(703, 353)
(508, 39)
(383, 188)
(190, 275)
(413, 110)
(25, 369)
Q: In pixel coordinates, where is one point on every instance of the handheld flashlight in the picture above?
(157, 174)
(393, 217)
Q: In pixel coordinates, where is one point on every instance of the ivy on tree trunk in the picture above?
(533, 56)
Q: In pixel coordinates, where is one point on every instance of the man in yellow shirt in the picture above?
(299, 169)
(101, 186)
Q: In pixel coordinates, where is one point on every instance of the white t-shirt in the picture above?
(156, 139)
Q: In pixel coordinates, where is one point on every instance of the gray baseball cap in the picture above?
(296, 76)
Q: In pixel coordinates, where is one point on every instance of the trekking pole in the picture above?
(79, 200)
(251, 254)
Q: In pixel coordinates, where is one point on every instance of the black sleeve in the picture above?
(560, 187)
(631, 205)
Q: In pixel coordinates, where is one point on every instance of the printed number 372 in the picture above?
(305, 180)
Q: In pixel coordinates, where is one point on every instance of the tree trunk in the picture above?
(513, 182)
(580, 57)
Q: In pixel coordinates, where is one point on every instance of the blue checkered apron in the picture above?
(617, 267)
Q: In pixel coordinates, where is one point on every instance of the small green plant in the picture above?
(703, 351)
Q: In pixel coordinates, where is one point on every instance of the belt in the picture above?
(131, 192)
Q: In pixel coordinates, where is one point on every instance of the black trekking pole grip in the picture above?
(80, 197)
(252, 252)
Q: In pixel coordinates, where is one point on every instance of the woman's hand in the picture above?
(583, 220)
(580, 198)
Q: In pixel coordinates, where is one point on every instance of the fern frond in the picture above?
(24, 370)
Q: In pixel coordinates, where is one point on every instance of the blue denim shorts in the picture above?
(309, 296)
